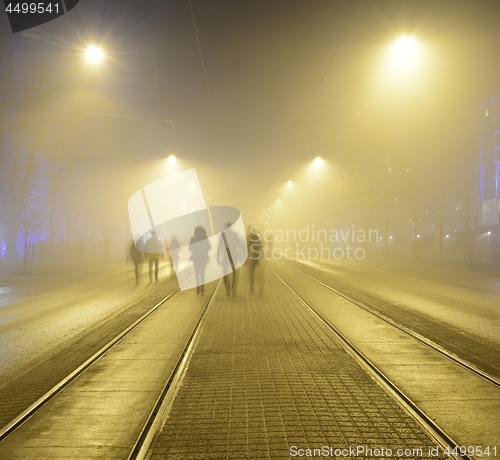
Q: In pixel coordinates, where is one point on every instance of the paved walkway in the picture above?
(267, 379)
(101, 413)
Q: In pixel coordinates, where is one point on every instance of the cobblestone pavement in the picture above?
(267, 375)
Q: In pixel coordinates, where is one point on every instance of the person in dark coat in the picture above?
(199, 247)
(254, 240)
(230, 241)
(137, 257)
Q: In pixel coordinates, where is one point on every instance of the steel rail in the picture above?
(56, 389)
(161, 409)
(437, 433)
(420, 338)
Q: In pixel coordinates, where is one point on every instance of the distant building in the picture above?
(489, 173)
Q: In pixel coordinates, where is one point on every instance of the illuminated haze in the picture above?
(286, 82)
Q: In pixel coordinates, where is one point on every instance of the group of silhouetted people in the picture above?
(154, 250)
(200, 246)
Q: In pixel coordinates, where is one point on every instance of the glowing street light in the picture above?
(403, 57)
(405, 49)
(171, 164)
(94, 54)
(315, 169)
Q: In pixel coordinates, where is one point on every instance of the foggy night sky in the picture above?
(288, 80)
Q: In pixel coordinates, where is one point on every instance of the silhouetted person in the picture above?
(174, 248)
(137, 258)
(231, 243)
(153, 249)
(254, 241)
(199, 247)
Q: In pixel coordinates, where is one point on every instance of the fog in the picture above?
(248, 94)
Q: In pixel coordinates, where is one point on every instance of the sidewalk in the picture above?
(267, 379)
(12, 273)
(101, 413)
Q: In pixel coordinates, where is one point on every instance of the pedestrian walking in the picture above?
(255, 268)
(154, 250)
(199, 247)
(137, 257)
(231, 244)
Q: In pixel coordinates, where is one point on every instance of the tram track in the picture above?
(479, 354)
(435, 432)
(164, 401)
(160, 412)
(433, 429)
(143, 438)
(80, 331)
(415, 335)
(62, 384)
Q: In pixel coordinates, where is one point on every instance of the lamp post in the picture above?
(94, 55)
(405, 53)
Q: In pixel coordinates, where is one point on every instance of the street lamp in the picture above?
(405, 49)
(401, 62)
(94, 54)
(399, 70)
(405, 54)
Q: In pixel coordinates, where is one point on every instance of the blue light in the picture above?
(3, 251)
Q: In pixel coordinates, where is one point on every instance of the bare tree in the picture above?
(25, 134)
(31, 221)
